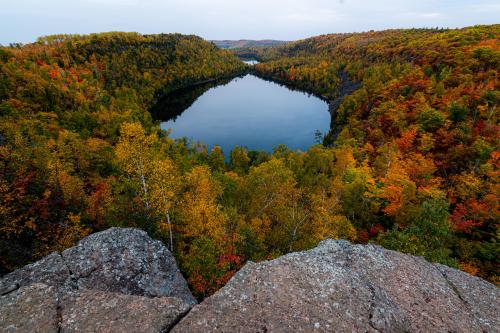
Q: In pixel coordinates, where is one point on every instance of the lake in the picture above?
(251, 62)
(245, 111)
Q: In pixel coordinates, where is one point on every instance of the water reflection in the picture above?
(170, 106)
(251, 62)
(246, 111)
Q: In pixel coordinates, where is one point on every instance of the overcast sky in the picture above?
(25, 20)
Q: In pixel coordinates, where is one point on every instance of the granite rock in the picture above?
(126, 261)
(32, 308)
(341, 287)
(118, 280)
(99, 311)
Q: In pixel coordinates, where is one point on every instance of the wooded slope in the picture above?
(424, 125)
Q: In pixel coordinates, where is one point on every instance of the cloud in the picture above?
(485, 8)
(430, 15)
(311, 16)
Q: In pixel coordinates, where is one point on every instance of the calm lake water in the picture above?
(251, 62)
(245, 111)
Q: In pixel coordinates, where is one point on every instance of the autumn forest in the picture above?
(411, 162)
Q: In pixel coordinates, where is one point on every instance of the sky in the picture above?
(25, 20)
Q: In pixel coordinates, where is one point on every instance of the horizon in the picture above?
(24, 21)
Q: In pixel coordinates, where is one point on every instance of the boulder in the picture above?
(99, 311)
(37, 308)
(30, 309)
(121, 260)
(118, 280)
(341, 287)
(126, 261)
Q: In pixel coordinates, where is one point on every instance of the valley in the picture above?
(410, 160)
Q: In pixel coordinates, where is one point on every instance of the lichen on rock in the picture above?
(341, 287)
(118, 280)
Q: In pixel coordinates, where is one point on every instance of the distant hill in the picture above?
(244, 43)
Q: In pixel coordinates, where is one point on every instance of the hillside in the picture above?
(245, 43)
(423, 127)
(412, 161)
(63, 100)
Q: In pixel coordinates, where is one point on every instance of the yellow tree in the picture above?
(163, 187)
(267, 184)
(275, 200)
(216, 159)
(199, 211)
(156, 177)
(134, 153)
(329, 222)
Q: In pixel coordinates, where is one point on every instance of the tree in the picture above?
(156, 177)
(239, 161)
(431, 119)
(198, 210)
(274, 199)
(165, 184)
(135, 155)
(216, 159)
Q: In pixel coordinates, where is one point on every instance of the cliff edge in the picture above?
(120, 280)
(341, 287)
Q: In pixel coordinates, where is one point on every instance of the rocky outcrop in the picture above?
(126, 261)
(33, 308)
(340, 287)
(42, 308)
(98, 311)
(122, 281)
(118, 280)
(118, 260)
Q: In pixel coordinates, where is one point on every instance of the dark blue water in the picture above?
(246, 111)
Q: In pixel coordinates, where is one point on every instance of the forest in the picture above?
(424, 126)
(413, 163)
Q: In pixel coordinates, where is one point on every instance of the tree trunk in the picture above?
(170, 232)
(145, 189)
